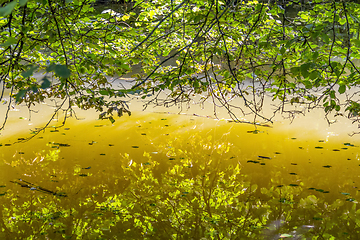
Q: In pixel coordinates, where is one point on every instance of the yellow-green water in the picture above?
(163, 176)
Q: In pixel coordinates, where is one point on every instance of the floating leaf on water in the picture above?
(350, 200)
(143, 134)
(166, 125)
(277, 153)
(86, 168)
(135, 146)
(336, 150)
(263, 157)
(2, 194)
(171, 158)
(292, 138)
(64, 145)
(319, 190)
(344, 193)
(300, 147)
(7, 145)
(54, 180)
(293, 185)
(293, 163)
(251, 161)
(285, 235)
(321, 140)
(319, 147)
(262, 163)
(325, 191)
(327, 166)
(102, 154)
(111, 145)
(344, 148)
(54, 130)
(83, 175)
(163, 119)
(1, 186)
(311, 188)
(98, 125)
(21, 153)
(292, 173)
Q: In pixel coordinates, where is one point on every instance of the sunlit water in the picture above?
(168, 176)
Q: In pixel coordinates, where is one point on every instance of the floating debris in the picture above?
(21, 153)
(292, 173)
(277, 152)
(293, 185)
(83, 175)
(349, 144)
(102, 154)
(336, 150)
(279, 185)
(319, 147)
(293, 163)
(321, 140)
(251, 161)
(327, 166)
(171, 158)
(264, 157)
(111, 145)
(135, 146)
(86, 168)
(143, 134)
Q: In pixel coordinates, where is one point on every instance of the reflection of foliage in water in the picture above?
(196, 192)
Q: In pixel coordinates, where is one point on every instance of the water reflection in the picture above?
(169, 177)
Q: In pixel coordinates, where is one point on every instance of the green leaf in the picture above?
(46, 83)
(104, 92)
(4, 11)
(305, 70)
(29, 72)
(62, 71)
(112, 120)
(10, 41)
(22, 2)
(342, 89)
(20, 95)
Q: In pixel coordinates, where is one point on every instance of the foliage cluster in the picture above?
(298, 53)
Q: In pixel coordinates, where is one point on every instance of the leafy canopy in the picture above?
(298, 54)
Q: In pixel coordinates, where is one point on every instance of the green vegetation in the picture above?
(297, 53)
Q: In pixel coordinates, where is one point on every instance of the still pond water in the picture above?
(166, 176)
